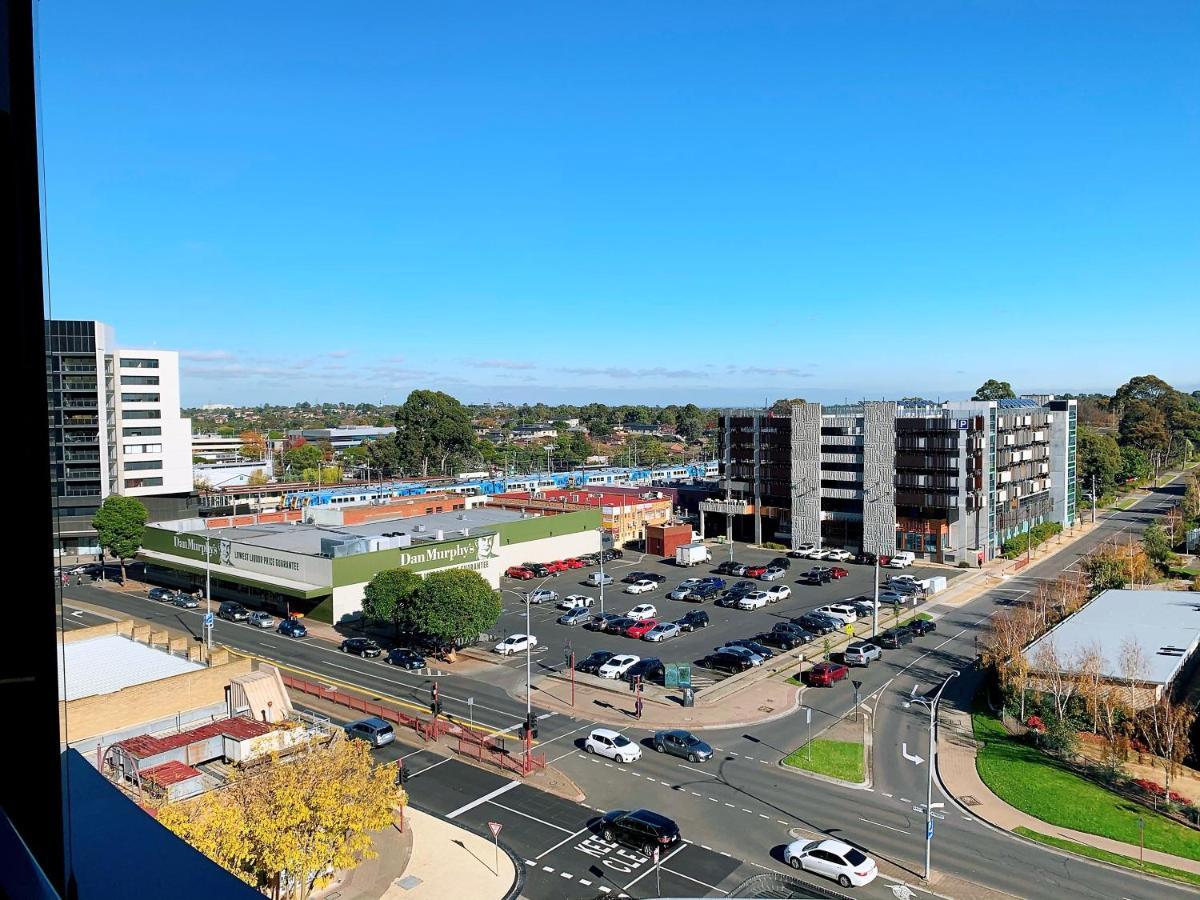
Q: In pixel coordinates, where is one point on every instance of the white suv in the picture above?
(612, 744)
(641, 587)
(839, 612)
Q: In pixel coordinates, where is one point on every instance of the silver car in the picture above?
(663, 631)
(261, 620)
(543, 595)
(185, 601)
(373, 730)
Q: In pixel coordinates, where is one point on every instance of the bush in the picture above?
(1155, 789)
(1036, 536)
(771, 545)
(1058, 739)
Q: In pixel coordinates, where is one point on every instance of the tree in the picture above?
(1165, 725)
(1099, 457)
(1191, 497)
(388, 597)
(120, 525)
(284, 827)
(432, 429)
(995, 390)
(454, 606)
(1135, 464)
(1057, 676)
(258, 477)
(254, 446)
(324, 474)
(305, 456)
(1145, 427)
(1156, 544)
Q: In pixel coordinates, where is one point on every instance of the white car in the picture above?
(902, 559)
(839, 555)
(543, 595)
(612, 744)
(642, 586)
(820, 553)
(515, 643)
(833, 859)
(663, 631)
(575, 601)
(618, 665)
(754, 600)
(777, 592)
(772, 574)
(642, 611)
(837, 611)
(848, 609)
(802, 551)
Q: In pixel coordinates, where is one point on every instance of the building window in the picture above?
(130, 363)
(140, 398)
(148, 431)
(144, 465)
(139, 379)
(142, 482)
(141, 414)
(138, 449)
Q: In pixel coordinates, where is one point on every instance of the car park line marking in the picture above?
(695, 794)
(881, 825)
(585, 882)
(730, 805)
(560, 843)
(605, 889)
(566, 875)
(508, 786)
(713, 799)
(651, 868)
(427, 768)
(763, 816)
(648, 778)
(530, 862)
(780, 822)
(527, 816)
(711, 887)
(747, 810)
(547, 869)
(905, 800)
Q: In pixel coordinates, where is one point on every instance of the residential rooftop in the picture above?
(109, 663)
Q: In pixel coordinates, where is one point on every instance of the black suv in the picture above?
(696, 618)
(641, 829)
(650, 669)
(785, 636)
(591, 664)
(893, 638)
(233, 611)
(611, 554)
(921, 627)
(817, 575)
(780, 562)
(364, 647)
(727, 661)
(727, 567)
(815, 623)
(865, 559)
(702, 593)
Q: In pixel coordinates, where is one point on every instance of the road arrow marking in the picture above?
(912, 759)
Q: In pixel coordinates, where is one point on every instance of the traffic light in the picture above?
(634, 682)
(401, 773)
(529, 729)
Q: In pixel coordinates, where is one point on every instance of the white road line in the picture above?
(427, 768)
(713, 799)
(905, 800)
(763, 816)
(747, 810)
(730, 805)
(780, 822)
(566, 875)
(585, 882)
(669, 856)
(484, 799)
(563, 841)
(648, 778)
(697, 771)
(547, 869)
(531, 818)
(881, 825)
(711, 887)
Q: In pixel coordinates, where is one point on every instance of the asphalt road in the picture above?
(739, 809)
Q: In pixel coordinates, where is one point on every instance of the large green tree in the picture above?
(433, 430)
(120, 525)
(1156, 544)
(454, 606)
(1099, 456)
(995, 390)
(1135, 465)
(306, 456)
(389, 597)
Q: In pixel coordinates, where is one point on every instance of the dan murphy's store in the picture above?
(320, 571)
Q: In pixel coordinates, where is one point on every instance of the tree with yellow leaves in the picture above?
(288, 826)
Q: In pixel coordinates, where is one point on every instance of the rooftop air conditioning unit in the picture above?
(418, 528)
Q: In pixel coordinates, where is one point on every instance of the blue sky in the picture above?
(629, 202)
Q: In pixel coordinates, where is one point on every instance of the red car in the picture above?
(518, 572)
(638, 629)
(574, 563)
(825, 674)
(557, 566)
(754, 571)
(838, 572)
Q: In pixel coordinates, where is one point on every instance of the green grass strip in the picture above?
(1105, 856)
(838, 759)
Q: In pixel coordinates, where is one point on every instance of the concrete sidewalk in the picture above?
(956, 749)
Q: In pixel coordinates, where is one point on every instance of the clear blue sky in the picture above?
(629, 202)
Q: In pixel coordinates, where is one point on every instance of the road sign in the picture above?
(808, 715)
(208, 620)
(495, 827)
(929, 830)
(857, 684)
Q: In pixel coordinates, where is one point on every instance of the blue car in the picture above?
(293, 628)
(716, 582)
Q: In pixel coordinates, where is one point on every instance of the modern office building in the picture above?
(344, 438)
(950, 483)
(115, 426)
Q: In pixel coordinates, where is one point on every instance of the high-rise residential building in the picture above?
(115, 426)
(950, 482)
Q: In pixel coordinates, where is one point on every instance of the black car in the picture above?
(635, 576)
(742, 587)
(727, 661)
(641, 829)
(921, 626)
(364, 647)
(163, 595)
(893, 638)
(540, 571)
(865, 559)
(780, 562)
(612, 554)
(233, 611)
(817, 624)
(728, 600)
(702, 593)
(753, 646)
(817, 575)
(591, 664)
(696, 618)
(865, 607)
(619, 624)
(405, 658)
(655, 577)
(599, 622)
(785, 636)
(650, 669)
(727, 567)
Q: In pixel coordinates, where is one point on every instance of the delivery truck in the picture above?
(692, 555)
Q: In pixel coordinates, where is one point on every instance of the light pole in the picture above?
(601, 570)
(208, 628)
(931, 705)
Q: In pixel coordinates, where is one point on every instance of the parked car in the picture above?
(777, 592)
(574, 563)
(838, 555)
(557, 566)
(543, 595)
(373, 730)
(865, 606)
(575, 616)
(612, 745)
(162, 595)
(901, 560)
(540, 571)
(753, 600)
(617, 665)
(618, 625)
(682, 743)
(595, 579)
(755, 571)
(738, 569)
(726, 660)
(364, 647)
(575, 601)
(404, 658)
(612, 553)
(894, 581)
(742, 587)
(642, 611)
(863, 558)
(921, 627)
(292, 628)
(600, 621)
(641, 829)
(895, 598)
(785, 636)
(753, 658)
(635, 576)
(639, 628)
(713, 581)
(663, 631)
(836, 572)
(185, 601)
(817, 624)
(773, 573)
(702, 593)
(728, 600)
(849, 866)
(727, 567)
(693, 619)
(643, 586)
(843, 614)
(894, 638)
(261, 619)
(519, 572)
(819, 553)
(780, 562)
(861, 653)
(817, 575)
(648, 669)
(802, 551)
(591, 664)
(685, 587)
(753, 646)
(516, 643)
(655, 577)
(233, 611)
(825, 674)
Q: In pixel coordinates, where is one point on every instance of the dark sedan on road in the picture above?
(185, 601)
(405, 658)
(818, 575)
(591, 664)
(364, 647)
(641, 829)
(162, 595)
(921, 627)
(780, 562)
(292, 628)
(682, 743)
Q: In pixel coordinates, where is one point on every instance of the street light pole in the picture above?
(932, 705)
(875, 617)
(208, 594)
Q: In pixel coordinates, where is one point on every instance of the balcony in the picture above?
(76, 385)
(92, 438)
(77, 456)
(82, 474)
(78, 421)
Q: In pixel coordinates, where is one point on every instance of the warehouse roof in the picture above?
(106, 664)
(239, 728)
(1166, 624)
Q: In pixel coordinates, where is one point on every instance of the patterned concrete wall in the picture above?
(879, 478)
(806, 474)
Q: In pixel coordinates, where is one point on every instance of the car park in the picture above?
(612, 745)
(817, 624)
(727, 661)
(785, 636)
(575, 601)
(837, 611)
(663, 631)
(642, 611)
(599, 621)
(644, 586)
(261, 619)
(693, 619)
(516, 643)
(618, 625)
(780, 562)
(596, 579)
(836, 572)
(753, 658)
(292, 628)
(519, 572)
(893, 638)
(825, 674)
(641, 829)
(373, 730)
(753, 600)
(777, 592)
(772, 574)
(861, 653)
(648, 669)
(576, 616)
(162, 595)
(754, 571)
(233, 611)
(543, 595)
(403, 658)
(863, 558)
(639, 628)
(901, 560)
(753, 646)
(364, 647)
(847, 865)
(616, 666)
(591, 664)
(921, 627)
(678, 742)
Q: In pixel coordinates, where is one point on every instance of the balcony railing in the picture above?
(82, 457)
(75, 421)
(82, 474)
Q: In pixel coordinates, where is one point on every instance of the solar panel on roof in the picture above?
(1018, 403)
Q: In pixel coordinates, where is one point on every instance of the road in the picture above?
(739, 809)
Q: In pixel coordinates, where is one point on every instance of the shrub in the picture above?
(771, 545)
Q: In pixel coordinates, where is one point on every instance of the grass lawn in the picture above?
(839, 759)
(1105, 856)
(1124, 504)
(1039, 786)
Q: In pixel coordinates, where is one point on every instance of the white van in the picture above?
(901, 559)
